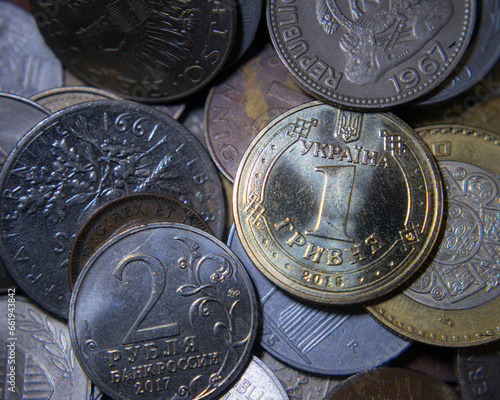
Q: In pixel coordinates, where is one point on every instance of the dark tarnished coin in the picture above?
(393, 383)
(370, 54)
(241, 105)
(256, 382)
(27, 64)
(318, 339)
(77, 160)
(37, 359)
(163, 311)
(337, 207)
(146, 50)
(478, 370)
(121, 214)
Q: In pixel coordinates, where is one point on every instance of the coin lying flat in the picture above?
(145, 50)
(164, 310)
(455, 300)
(370, 55)
(77, 160)
(121, 214)
(337, 207)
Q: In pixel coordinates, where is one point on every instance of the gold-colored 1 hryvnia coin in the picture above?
(337, 207)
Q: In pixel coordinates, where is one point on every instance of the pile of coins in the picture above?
(353, 144)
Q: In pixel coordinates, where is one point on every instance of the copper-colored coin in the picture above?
(455, 300)
(392, 383)
(124, 213)
(337, 207)
(241, 105)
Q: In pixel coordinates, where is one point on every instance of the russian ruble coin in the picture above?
(256, 382)
(163, 310)
(147, 50)
(122, 214)
(238, 107)
(478, 370)
(27, 64)
(337, 207)
(454, 301)
(370, 55)
(393, 383)
(37, 359)
(318, 339)
(77, 160)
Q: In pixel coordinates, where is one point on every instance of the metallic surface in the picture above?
(256, 382)
(168, 299)
(121, 214)
(318, 339)
(241, 105)
(27, 64)
(478, 321)
(337, 207)
(393, 383)
(370, 55)
(145, 50)
(478, 370)
(38, 350)
(76, 161)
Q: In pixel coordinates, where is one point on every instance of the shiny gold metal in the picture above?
(452, 324)
(337, 207)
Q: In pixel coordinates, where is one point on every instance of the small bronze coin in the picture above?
(163, 310)
(335, 206)
(123, 213)
(392, 383)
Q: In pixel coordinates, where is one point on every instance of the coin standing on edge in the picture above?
(164, 310)
(337, 207)
(455, 300)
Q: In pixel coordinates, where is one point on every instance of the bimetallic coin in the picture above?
(27, 64)
(393, 383)
(37, 359)
(370, 55)
(241, 105)
(256, 382)
(77, 160)
(145, 50)
(478, 370)
(318, 339)
(337, 207)
(124, 213)
(455, 300)
(164, 310)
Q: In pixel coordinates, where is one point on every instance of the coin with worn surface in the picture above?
(478, 370)
(37, 359)
(301, 385)
(27, 64)
(77, 160)
(454, 301)
(256, 382)
(240, 106)
(164, 310)
(318, 339)
(145, 50)
(124, 213)
(370, 55)
(335, 206)
(393, 383)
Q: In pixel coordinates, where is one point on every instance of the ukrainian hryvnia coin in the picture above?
(455, 300)
(165, 311)
(335, 206)
(370, 54)
(147, 50)
(77, 160)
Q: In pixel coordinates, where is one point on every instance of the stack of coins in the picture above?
(247, 199)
